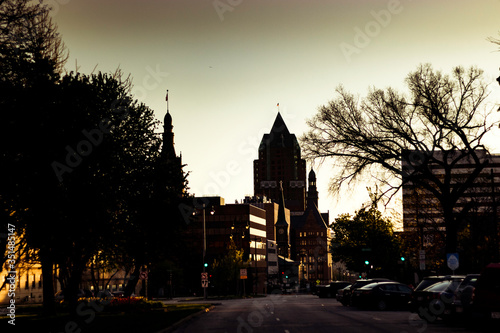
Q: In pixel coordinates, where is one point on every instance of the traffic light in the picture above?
(367, 262)
(402, 258)
(206, 264)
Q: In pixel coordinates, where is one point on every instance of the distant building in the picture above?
(280, 175)
(280, 160)
(311, 238)
(172, 179)
(244, 224)
(422, 212)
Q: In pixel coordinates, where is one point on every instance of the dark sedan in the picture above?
(346, 296)
(331, 289)
(382, 295)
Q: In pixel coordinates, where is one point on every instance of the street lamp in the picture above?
(212, 212)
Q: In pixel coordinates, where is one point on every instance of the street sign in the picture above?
(243, 273)
(204, 284)
(204, 276)
(452, 261)
(421, 255)
(143, 275)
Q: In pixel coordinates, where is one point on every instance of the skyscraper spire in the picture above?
(166, 99)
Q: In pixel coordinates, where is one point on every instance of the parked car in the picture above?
(340, 294)
(427, 282)
(433, 301)
(486, 296)
(346, 297)
(382, 295)
(463, 296)
(330, 290)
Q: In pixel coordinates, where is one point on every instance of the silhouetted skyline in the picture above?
(226, 66)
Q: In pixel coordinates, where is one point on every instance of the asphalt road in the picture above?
(306, 313)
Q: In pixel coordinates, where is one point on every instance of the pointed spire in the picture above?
(166, 99)
(279, 126)
(168, 118)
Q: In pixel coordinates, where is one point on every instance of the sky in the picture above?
(228, 63)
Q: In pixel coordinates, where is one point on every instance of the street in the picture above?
(306, 313)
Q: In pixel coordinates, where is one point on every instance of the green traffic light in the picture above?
(402, 258)
(206, 265)
(367, 262)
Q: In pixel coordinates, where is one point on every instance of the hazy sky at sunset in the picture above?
(228, 63)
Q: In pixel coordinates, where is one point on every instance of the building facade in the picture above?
(279, 160)
(243, 225)
(475, 211)
(280, 175)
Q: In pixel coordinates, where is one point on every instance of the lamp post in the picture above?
(212, 212)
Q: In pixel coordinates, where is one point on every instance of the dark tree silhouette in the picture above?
(441, 122)
(31, 59)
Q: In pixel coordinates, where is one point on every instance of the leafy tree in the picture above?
(31, 59)
(82, 175)
(369, 237)
(226, 270)
(441, 122)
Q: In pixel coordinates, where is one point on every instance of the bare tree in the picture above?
(495, 41)
(399, 139)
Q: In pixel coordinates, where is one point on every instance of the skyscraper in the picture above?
(280, 175)
(280, 160)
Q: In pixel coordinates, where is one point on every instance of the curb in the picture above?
(183, 320)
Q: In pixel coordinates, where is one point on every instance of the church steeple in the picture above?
(312, 192)
(168, 149)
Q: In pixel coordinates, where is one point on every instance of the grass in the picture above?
(150, 320)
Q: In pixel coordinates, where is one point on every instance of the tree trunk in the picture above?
(451, 230)
(49, 308)
(132, 282)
